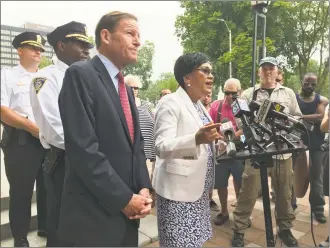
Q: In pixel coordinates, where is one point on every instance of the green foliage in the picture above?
(44, 62)
(143, 67)
(293, 81)
(294, 30)
(165, 81)
(91, 39)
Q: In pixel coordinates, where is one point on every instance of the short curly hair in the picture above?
(187, 63)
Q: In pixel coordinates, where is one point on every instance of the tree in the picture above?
(44, 62)
(294, 81)
(294, 30)
(200, 29)
(165, 81)
(143, 67)
(303, 28)
(91, 40)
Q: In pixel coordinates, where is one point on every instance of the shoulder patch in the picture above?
(38, 83)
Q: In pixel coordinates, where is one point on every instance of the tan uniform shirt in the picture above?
(282, 95)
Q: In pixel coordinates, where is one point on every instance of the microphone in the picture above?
(240, 108)
(269, 109)
(263, 111)
(228, 131)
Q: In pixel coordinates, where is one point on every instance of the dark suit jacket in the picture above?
(103, 167)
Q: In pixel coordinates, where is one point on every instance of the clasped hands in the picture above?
(139, 206)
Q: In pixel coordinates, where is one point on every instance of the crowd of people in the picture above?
(79, 129)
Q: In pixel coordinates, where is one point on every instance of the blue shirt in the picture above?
(111, 68)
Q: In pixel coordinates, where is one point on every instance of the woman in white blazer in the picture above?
(184, 170)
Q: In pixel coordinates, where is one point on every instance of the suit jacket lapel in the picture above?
(190, 106)
(213, 143)
(107, 81)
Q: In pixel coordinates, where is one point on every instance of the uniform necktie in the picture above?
(125, 104)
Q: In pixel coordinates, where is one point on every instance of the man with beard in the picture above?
(312, 106)
(281, 171)
(71, 44)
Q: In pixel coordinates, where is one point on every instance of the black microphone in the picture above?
(268, 109)
(240, 108)
(228, 131)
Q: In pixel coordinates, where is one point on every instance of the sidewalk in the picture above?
(256, 235)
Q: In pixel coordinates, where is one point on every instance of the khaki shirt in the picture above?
(282, 95)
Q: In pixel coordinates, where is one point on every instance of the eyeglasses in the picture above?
(233, 93)
(135, 88)
(206, 71)
(278, 80)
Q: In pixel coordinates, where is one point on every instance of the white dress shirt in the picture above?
(111, 68)
(15, 90)
(45, 104)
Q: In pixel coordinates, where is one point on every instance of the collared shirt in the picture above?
(282, 95)
(111, 68)
(15, 90)
(45, 104)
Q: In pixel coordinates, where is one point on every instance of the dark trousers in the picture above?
(23, 158)
(54, 183)
(316, 196)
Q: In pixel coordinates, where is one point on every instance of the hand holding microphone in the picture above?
(227, 130)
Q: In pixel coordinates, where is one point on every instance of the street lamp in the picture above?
(229, 31)
(260, 9)
(260, 6)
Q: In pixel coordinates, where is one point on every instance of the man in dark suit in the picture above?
(106, 187)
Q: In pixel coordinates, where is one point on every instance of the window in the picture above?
(4, 31)
(5, 43)
(5, 61)
(5, 37)
(5, 55)
(5, 50)
(14, 33)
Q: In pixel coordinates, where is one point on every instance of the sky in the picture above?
(156, 20)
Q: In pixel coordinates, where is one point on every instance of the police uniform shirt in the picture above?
(15, 90)
(45, 90)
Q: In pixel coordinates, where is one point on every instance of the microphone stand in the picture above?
(261, 158)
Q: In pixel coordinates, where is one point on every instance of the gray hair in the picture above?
(232, 80)
(134, 78)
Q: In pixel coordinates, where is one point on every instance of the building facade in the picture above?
(9, 56)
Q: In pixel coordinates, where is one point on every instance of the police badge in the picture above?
(38, 83)
(39, 38)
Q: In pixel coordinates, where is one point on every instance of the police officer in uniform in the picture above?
(71, 44)
(23, 153)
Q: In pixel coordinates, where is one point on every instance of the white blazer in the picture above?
(181, 166)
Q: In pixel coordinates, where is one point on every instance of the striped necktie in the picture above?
(125, 104)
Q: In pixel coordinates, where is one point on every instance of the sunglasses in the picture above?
(278, 80)
(135, 88)
(233, 93)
